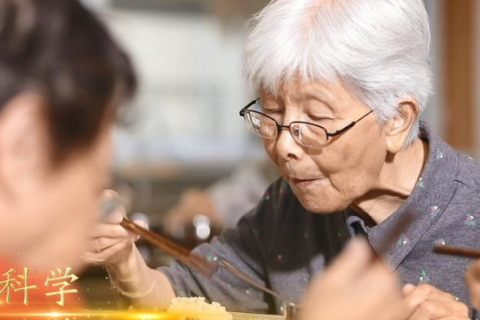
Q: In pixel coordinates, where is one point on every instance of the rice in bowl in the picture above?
(198, 308)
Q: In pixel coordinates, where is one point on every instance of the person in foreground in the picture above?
(342, 86)
(356, 286)
(62, 80)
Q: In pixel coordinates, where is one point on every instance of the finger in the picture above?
(432, 309)
(474, 270)
(413, 299)
(142, 224)
(93, 258)
(111, 251)
(434, 293)
(420, 295)
(105, 255)
(473, 281)
(105, 230)
(116, 216)
(116, 231)
(475, 295)
(111, 204)
(99, 244)
(425, 292)
(429, 310)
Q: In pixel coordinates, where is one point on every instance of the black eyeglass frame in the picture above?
(280, 127)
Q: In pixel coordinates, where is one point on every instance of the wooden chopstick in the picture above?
(192, 260)
(173, 249)
(254, 283)
(456, 251)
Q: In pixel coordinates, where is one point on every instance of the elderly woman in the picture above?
(342, 86)
(62, 79)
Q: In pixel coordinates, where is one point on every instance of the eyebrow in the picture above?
(320, 96)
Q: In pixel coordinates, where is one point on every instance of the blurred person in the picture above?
(356, 286)
(247, 183)
(342, 87)
(62, 80)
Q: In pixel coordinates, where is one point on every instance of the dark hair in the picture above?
(60, 50)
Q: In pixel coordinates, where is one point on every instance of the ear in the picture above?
(398, 128)
(24, 144)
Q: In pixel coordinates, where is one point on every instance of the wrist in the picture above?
(127, 273)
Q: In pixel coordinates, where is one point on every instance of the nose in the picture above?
(286, 146)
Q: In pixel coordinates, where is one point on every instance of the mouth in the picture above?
(302, 183)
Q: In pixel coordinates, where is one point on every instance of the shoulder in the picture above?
(467, 174)
(460, 167)
(463, 211)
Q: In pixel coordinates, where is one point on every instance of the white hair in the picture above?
(380, 49)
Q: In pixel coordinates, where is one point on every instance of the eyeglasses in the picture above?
(307, 134)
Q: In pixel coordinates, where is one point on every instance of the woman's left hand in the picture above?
(426, 302)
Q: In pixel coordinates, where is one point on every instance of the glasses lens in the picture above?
(261, 125)
(308, 135)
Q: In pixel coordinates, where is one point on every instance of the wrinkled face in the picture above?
(348, 167)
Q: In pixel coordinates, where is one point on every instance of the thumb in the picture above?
(111, 208)
(116, 216)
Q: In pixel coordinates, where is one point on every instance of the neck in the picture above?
(396, 182)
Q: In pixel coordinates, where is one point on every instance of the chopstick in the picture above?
(193, 260)
(254, 283)
(456, 251)
(171, 248)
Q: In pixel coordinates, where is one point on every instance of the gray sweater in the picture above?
(282, 245)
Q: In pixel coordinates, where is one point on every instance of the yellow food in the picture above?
(198, 308)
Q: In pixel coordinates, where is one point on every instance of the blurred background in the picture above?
(184, 162)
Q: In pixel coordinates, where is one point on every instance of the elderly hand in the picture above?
(114, 247)
(425, 302)
(473, 282)
(356, 286)
(110, 243)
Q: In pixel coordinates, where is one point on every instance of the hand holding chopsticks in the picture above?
(194, 261)
(111, 201)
